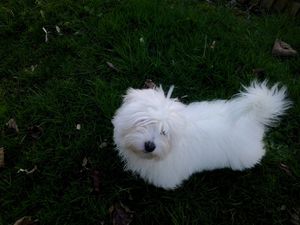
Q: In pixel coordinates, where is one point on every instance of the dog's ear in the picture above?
(130, 93)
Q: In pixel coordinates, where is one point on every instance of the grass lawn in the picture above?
(95, 50)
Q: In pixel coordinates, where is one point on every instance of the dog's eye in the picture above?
(163, 132)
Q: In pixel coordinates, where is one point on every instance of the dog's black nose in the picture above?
(149, 146)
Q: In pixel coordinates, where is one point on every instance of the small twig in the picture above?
(205, 46)
(88, 72)
(2, 157)
(46, 34)
(27, 171)
(112, 66)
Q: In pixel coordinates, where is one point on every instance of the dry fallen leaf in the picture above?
(12, 126)
(35, 132)
(103, 145)
(281, 48)
(294, 8)
(2, 157)
(120, 214)
(26, 220)
(259, 72)
(149, 84)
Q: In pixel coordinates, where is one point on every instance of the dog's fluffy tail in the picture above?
(265, 103)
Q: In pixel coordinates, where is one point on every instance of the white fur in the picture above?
(191, 138)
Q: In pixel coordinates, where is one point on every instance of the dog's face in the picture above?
(146, 123)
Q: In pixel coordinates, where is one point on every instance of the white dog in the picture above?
(166, 141)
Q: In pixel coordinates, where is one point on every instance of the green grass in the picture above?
(71, 83)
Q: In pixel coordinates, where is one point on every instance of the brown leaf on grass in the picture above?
(281, 48)
(149, 84)
(267, 3)
(259, 72)
(120, 214)
(35, 132)
(26, 220)
(286, 169)
(294, 8)
(110, 65)
(12, 126)
(2, 164)
(97, 181)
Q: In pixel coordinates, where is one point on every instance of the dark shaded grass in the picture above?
(72, 84)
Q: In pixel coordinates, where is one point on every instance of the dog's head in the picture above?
(147, 124)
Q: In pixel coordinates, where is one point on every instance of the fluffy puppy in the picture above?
(165, 141)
